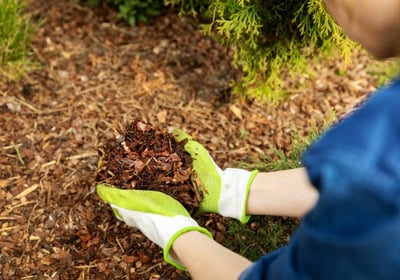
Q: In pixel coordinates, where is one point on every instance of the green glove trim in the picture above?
(245, 218)
(180, 135)
(209, 180)
(168, 247)
(141, 200)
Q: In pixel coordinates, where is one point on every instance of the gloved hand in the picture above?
(158, 216)
(226, 190)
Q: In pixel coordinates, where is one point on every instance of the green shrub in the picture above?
(133, 11)
(271, 39)
(138, 10)
(274, 37)
(16, 33)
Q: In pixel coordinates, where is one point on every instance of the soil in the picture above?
(94, 71)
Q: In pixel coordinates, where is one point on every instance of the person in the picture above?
(347, 192)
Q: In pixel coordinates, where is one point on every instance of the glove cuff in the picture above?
(235, 187)
(167, 256)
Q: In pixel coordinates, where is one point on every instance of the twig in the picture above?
(73, 157)
(150, 269)
(26, 104)
(198, 187)
(120, 246)
(11, 208)
(16, 148)
(48, 163)
(28, 277)
(6, 182)
(7, 218)
(8, 228)
(11, 146)
(86, 266)
(27, 191)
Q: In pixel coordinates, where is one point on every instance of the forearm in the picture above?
(281, 193)
(207, 259)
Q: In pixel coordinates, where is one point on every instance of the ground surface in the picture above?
(95, 71)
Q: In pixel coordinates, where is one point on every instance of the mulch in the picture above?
(94, 71)
(144, 156)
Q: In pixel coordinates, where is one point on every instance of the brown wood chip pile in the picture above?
(144, 156)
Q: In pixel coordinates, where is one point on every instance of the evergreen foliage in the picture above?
(274, 37)
(269, 38)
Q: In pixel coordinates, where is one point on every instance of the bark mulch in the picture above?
(94, 71)
(147, 157)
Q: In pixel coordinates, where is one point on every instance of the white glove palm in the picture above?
(158, 216)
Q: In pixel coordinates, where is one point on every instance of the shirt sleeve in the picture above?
(353, 231)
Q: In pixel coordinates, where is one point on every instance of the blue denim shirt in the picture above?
(353, 232)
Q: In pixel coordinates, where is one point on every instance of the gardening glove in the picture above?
(158, 216)
(225, 191)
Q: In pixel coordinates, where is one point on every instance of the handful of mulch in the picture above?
(147, 157)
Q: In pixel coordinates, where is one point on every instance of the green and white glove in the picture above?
(226, 190)
(158, 216)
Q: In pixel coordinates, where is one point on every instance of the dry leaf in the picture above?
(162, 116)
(236, 111)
